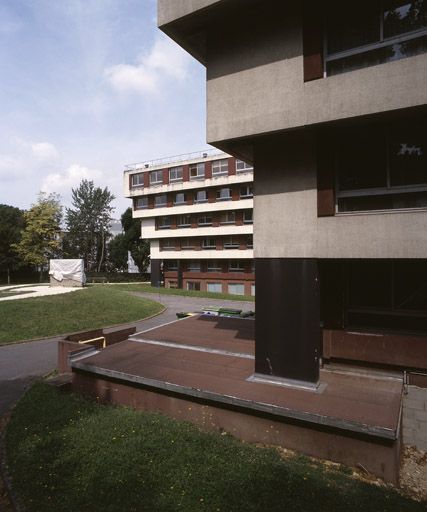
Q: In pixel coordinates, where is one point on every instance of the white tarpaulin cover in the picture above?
(68, 269)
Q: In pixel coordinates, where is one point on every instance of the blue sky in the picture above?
(87, 86)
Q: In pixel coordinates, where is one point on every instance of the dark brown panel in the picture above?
(312, 40)
(325, 177)
(156, 275)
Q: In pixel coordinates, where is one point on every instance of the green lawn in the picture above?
(69, 454)
(89, 308)
(206, 295)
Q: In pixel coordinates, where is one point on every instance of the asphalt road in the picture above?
(21, 363)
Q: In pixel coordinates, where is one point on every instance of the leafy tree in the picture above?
(41, 238)
(118, 253)
(11, 225)
(88, 224)
(139, 249)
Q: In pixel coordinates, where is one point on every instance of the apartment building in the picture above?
(328, 100)
(196, 211)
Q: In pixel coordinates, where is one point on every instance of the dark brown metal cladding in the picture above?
(287, 328)
(156, 274)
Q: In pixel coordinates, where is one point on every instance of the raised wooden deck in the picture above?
(198, 369)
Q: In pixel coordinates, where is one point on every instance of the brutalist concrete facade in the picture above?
(330, 106)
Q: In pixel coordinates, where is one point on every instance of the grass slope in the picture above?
(69, 454)
(89, 308)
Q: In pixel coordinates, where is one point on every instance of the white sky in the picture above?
(87, 86)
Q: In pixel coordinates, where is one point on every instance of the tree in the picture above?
(88, 223)
(11, 225)
(139, 249)
(41, 238)
(118, 253)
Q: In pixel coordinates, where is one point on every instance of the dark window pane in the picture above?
(410, 285)
(362, 160)
(352, 25)
(402, 16)
(378, 56)
(408, 161)
(370, 284)
(383, 202)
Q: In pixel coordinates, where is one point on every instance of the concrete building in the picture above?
(328, 101)
(196, 211)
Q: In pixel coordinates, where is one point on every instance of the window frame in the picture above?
(236, 284)
(239, 268)
(251, 220)
(196, 166)
(177, 203)
(210, 245)
(164, 247)
(183, 225)
(386, 132)
(219, 164)
(383, 42)
(205, 216)
(212, 266)
(144, 199)
(199, 201)
(226, 214)
(140, 183)
(228, 198)
(249, 192)
(214, 284)
(245, 168)
(176, 169)
(164, 218)
(195, 268)
(161, 205)
(231, 243)
(155, 173)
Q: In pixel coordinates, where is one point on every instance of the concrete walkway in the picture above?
(21, 363)
(26, 291)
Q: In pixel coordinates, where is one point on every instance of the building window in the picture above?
(248, 216)
(382, 167)
(140, 203)
(170, 265)
(373, 32)
(137, 180)
(164, 222)
(228, 218)
(236, 289)
(246, 191)
(387, 294)
(220, 167)
(231, 243)
(193, 266)
(253, 290)
(213, 266)
(223, 194)
(236, 266)
(201, 196)
(197, 171)
(175, 174)
(205, 220)
(172, 284)
(193, 286)
(253, 266)
(180, 198)
(214, 287)
(167, 245)
(156, 177)
(160, 200)
(250, 242)
(183, 221)
(208, 243)
(187, 243)
(243, 166)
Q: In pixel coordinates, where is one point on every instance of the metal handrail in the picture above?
(104, 341)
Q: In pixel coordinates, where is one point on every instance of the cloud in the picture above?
(68, 179)
(165, 60)
(44, 151)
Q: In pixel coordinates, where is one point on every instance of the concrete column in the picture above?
(287, 326)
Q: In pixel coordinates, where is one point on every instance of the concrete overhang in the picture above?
(187, 21)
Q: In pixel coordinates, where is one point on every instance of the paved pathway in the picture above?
(23, 362)
(25, 291)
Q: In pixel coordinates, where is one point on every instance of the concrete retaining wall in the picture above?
(415, 417)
